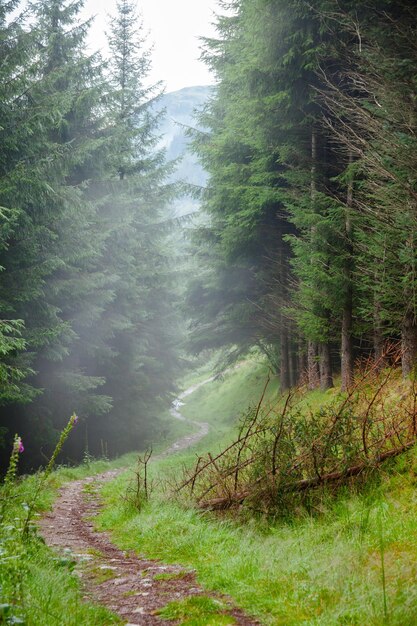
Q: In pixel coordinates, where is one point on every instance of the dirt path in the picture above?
(203, 427)
(131, 586)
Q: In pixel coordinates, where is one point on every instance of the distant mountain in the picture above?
(180, 107)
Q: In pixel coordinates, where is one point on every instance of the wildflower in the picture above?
(75, 419)
(18, 445)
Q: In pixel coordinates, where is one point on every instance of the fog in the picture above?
(174, 30)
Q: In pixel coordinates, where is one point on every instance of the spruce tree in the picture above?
(16, 49)
(47, 279)
(142, 366)
(374, 121)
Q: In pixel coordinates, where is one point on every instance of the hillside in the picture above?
(345, 558)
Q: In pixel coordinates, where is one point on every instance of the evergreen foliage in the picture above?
(311, 196)
(307, 248)
(87, 296)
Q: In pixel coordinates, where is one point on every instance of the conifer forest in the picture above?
(124, 280)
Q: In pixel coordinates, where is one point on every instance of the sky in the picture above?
(174, 27)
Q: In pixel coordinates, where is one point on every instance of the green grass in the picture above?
(336, 566)
(234, 392)
(197, 611)
(222, 401)
(52, 595)
(172, 430)
(36, 585)
(352, 562)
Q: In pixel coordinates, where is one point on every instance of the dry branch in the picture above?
(217, 504)
(280, 453)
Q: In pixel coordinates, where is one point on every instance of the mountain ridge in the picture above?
(180, 109)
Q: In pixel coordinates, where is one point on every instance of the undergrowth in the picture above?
(285, 449)
(37, 586)
(349, 558)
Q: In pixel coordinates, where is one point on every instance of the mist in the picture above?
(142, 231)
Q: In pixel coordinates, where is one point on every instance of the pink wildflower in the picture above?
(19, 445)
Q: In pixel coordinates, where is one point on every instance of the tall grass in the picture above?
(38, 587)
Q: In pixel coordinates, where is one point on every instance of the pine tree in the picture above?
(260, 161)
(242, 201)
(142, 366)
(83, 250)
(16, 47)
(47, 280)
(374, 120)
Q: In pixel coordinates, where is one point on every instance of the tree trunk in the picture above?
(285, 361)
(409, 344)
(313, 373)
(347, 349)
(294, 373)
(326, 375)
(347, 362)
(378, 338)
(302, 365)
(313, 171)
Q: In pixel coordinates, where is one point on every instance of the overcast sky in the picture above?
(174, 27)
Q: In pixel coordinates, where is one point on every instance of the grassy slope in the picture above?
(327, 569)
(224, 400)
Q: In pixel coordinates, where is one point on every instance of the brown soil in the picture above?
(131, 586)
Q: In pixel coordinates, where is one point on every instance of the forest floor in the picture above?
(133, 587)
(350, 560)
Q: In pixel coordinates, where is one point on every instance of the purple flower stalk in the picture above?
(19, 445)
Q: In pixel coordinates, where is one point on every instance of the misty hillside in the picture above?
(180, 107)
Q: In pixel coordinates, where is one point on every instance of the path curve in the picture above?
(131, 586)
(203, 427)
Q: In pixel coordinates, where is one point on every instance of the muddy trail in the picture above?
(133, 587)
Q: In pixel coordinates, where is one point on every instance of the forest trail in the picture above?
(131, 586)
(203, 427)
